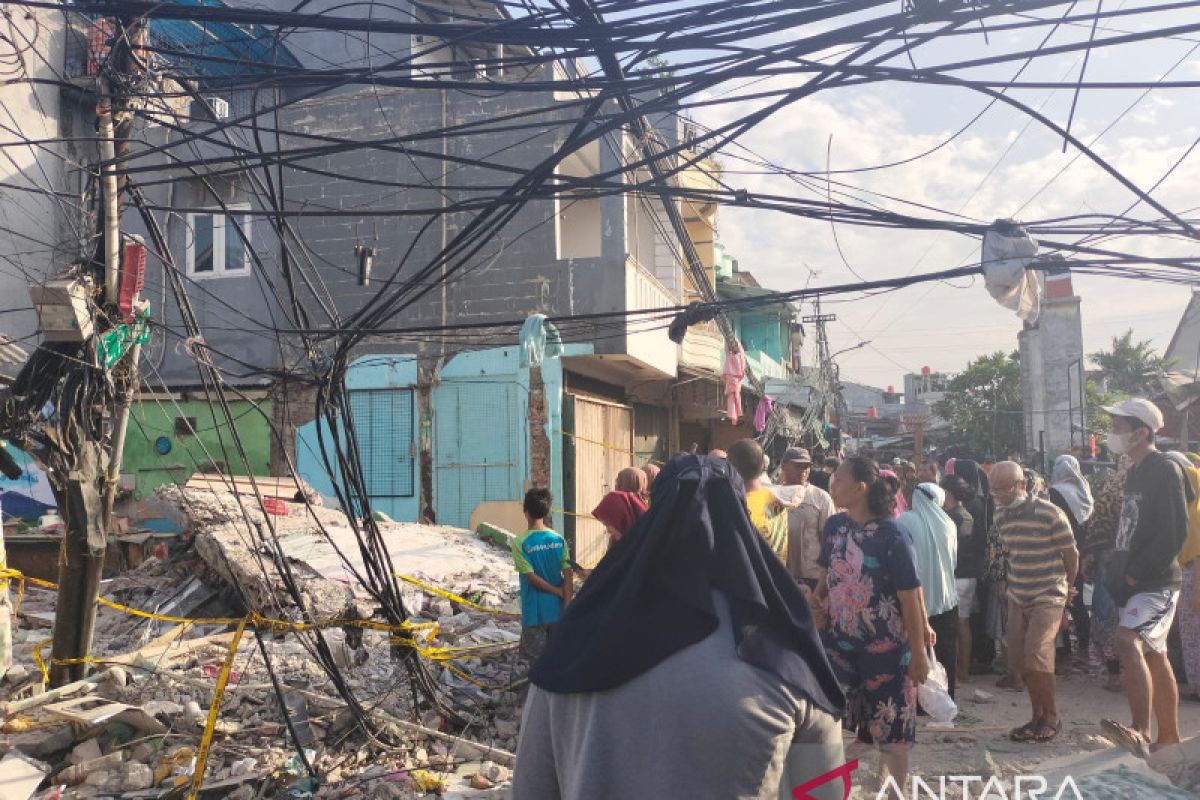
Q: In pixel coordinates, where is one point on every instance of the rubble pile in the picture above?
(134, 728)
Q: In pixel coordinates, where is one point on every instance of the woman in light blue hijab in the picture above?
(935, 543)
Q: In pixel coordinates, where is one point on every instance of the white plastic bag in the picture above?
(934, 695)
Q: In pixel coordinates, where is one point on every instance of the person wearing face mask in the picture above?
(1144, 578)
(1040, 566)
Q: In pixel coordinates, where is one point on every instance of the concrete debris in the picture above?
(133, 730)
(86, 750)
(20, 776)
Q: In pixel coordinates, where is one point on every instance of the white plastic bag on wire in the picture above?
(934, 695)
(1007, 251)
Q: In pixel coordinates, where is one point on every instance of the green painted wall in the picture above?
(762, 339)
(150, 419)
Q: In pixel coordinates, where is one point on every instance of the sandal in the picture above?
(1046, 731)
(1025, 732)
(1125, 737)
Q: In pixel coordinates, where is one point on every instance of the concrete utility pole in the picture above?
(90, 489)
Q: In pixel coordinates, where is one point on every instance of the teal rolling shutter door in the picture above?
(383, 420)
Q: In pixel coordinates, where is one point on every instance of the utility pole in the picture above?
(87, 494)
(827, 371)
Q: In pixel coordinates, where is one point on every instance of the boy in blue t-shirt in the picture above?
(544, 564)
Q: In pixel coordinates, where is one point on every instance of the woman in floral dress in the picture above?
(872, 613)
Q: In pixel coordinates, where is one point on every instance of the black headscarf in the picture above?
(651, 595)
(981, 507)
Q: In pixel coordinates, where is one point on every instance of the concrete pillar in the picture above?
(1050, 349)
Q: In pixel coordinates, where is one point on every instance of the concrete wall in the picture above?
(1048, 349)
(762, 337)
(151, 419)
(327, 49)
(36, 237)
(1184, 349)
(516, 273)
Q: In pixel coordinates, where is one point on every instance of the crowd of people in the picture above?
(773, 608)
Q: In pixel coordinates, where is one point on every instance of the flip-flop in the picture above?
(1046, 732)
(1025, 732)
(1125, 737)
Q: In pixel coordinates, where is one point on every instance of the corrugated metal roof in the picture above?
(219, 49)
(11, 353)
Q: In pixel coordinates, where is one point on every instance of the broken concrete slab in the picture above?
(20, 776)
(92, 711)
(44, 742)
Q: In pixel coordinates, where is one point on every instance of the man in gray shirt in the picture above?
(688, 666)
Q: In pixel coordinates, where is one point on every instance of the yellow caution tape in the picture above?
(462, 601)
(573, 514)
(605, 445)
(214, 710)
(37, 657)
(404, 634)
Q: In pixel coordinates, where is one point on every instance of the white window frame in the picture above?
(220, 268)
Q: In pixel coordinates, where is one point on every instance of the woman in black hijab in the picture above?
(687, 666)
(981, 509)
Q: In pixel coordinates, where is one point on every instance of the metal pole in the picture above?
(112, 214)
(120, 426)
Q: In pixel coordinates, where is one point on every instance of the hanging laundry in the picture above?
(762, 413)
(732, 375)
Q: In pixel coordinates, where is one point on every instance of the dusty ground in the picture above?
(979, 743)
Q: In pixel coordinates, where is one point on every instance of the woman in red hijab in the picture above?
(618, 511)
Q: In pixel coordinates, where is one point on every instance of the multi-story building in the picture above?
(452, 425)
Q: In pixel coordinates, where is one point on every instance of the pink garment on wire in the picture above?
(761, 412)
(732, 375)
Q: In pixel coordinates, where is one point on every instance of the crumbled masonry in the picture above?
(167, 673)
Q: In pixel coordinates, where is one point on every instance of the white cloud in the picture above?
(933, 324)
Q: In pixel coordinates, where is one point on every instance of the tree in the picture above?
(983, 404)
(1131, 368)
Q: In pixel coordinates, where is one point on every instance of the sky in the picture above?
(1003, 166)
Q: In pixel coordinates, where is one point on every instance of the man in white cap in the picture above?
(808, 509)
(1144, 577)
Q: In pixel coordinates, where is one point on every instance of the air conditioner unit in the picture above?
(220, 107)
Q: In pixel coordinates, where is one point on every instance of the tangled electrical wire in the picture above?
(537, 88)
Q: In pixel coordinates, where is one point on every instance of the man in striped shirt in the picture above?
(1040, 563)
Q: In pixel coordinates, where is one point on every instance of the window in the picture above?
(218, 242)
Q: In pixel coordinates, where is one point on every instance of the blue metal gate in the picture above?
(384, 424)
(479, 442)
